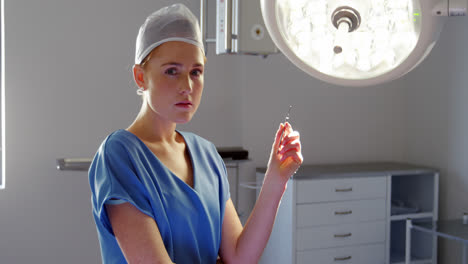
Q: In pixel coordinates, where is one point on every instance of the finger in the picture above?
(295, 145)
(292, 162)
(292, 136)
(296, 156)
(288, 127)
(277, 140)
(289, 142)
(287, 152)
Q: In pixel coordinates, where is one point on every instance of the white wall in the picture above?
(437, 116)
(69, 84)
(337, 124)
(437, 122)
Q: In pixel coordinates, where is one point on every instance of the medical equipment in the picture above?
(240, 28)
(348, 43)
(357, 43)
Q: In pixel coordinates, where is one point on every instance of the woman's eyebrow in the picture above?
(172, 64)
(180, 64)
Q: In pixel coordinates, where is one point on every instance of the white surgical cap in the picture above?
(171, 23)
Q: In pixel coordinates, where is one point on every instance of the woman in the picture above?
(161, 195)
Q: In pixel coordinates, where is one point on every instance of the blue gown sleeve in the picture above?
(112, 176)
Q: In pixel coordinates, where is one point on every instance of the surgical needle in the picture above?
(286, 118)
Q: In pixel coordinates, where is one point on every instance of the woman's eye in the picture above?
(197, 72)
(171, 71)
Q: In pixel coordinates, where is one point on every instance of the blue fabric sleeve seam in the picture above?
(115, 201)
(132, 203)
(111, 188)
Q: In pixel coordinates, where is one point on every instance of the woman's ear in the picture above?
(139, 75)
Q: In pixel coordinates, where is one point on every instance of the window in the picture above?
(2, 93)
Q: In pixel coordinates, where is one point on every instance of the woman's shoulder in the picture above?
(119, 140)
(196, 139)
(119, 147)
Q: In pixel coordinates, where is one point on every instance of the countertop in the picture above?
(365, 169)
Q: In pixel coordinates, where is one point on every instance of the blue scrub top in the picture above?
(189, 219)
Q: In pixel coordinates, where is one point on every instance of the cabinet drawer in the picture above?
(371, 254)
(340, 212)
(340, 235)
(310, 191)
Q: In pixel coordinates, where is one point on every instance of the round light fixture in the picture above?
(355, 42)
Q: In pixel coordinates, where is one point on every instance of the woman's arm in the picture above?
(137, 234)
(246, 245)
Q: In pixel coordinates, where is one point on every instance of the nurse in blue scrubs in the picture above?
(161, 195)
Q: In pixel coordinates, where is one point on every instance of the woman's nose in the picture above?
(186, 86)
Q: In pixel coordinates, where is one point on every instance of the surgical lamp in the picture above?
(357, 42)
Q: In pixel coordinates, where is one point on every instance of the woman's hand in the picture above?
(286, 156)
(245, 245)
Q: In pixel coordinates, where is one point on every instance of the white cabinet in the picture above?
(353, 213)
(340, 212)
(360, 254)
(328, 190)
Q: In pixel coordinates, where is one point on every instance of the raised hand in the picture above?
(286, 156)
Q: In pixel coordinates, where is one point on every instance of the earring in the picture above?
(140, 91)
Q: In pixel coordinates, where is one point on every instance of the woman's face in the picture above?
(173, 81)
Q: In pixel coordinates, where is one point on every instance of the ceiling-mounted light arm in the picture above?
(451, 8)
(224, 22)
(228, 21)
(458, 7)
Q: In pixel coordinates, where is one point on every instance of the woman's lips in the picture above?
(184, 104)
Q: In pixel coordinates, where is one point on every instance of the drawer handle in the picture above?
(344, 190)
(343, 258)
(344, 212)
(343, 235)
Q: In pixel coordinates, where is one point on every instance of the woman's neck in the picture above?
(149, 127)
